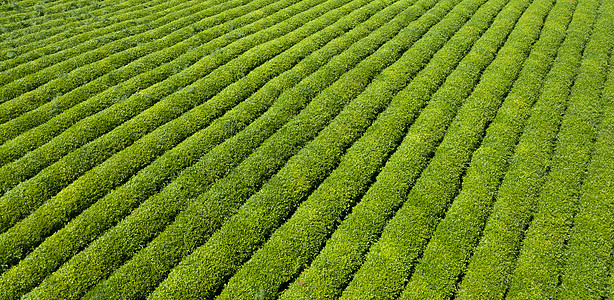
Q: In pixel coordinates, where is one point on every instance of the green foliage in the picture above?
(31, 84)
(449, 249)
(148, 267)
(391, 260)
(297, 241)
(266, 209)
(541, 259)
(129, 120)
(125, 81)
(306, 149)
(97, 182)
(31, 41)
(259, 53)
(344, 251)
(489, 270)
(585, 275)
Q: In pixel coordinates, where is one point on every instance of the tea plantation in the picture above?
(307, 149)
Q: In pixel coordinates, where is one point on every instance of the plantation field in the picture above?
(307, 149)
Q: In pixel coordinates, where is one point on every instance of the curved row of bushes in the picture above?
(590, 246)
(445, 257)
(176, 109)
(66, 32)
(13, 35)
(308, 149)
(24, 65)
(173, 197)
(391, 260)
(15, 23)
(149, 266)
(541, 259)
(243, 226)
(489, 270)
(301, 237)
(22, 10)
(120, 83)
(30, 90)
(157, 259)
(95, 220)
(217, 104)
(143, 112)
(343, 254)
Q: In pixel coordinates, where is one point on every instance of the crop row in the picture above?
(147, 181)
(42, 20)
(27, 196)
(266, 71)
(301, 237)
(264, 211)
(148, 267)
(24, 14)
(31, 90)
(124, 245)
(249, 175)
(541, 258)
(153, 215)
(61, 49)
(116, 86)
(246, 174)
(45, 12)
(390, 261)
(44, 48)
(33, 42)
(490, 267)
(302, 149)
(585, 275)
(24, 10)
(120, 167)
(447, 252)
(343, 254)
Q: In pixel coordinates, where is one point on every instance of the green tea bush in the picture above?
(489, 270)
(332, 268)
(445, 257)
(542, 258)
(146, 182)
(390, 261)
(299, 175)
(33, 192)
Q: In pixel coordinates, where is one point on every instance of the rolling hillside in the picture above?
(307, 149)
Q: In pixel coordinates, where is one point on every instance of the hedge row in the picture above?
(94, 184)
(542, 256)
(447, 252)
(587, 268)
(294, 244)
(81, 283)
(16, 19)
(31, 193)
(178, 189)
(243, 226)
(98, 95)
(489, 269)
(129, 23)
(43, 45)
(32, 42)
(31, 90)
(95, 16)
(98, 218)
(390, 261)
(25, 10)
(343, 254)
(137, 277)
(14, 35)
